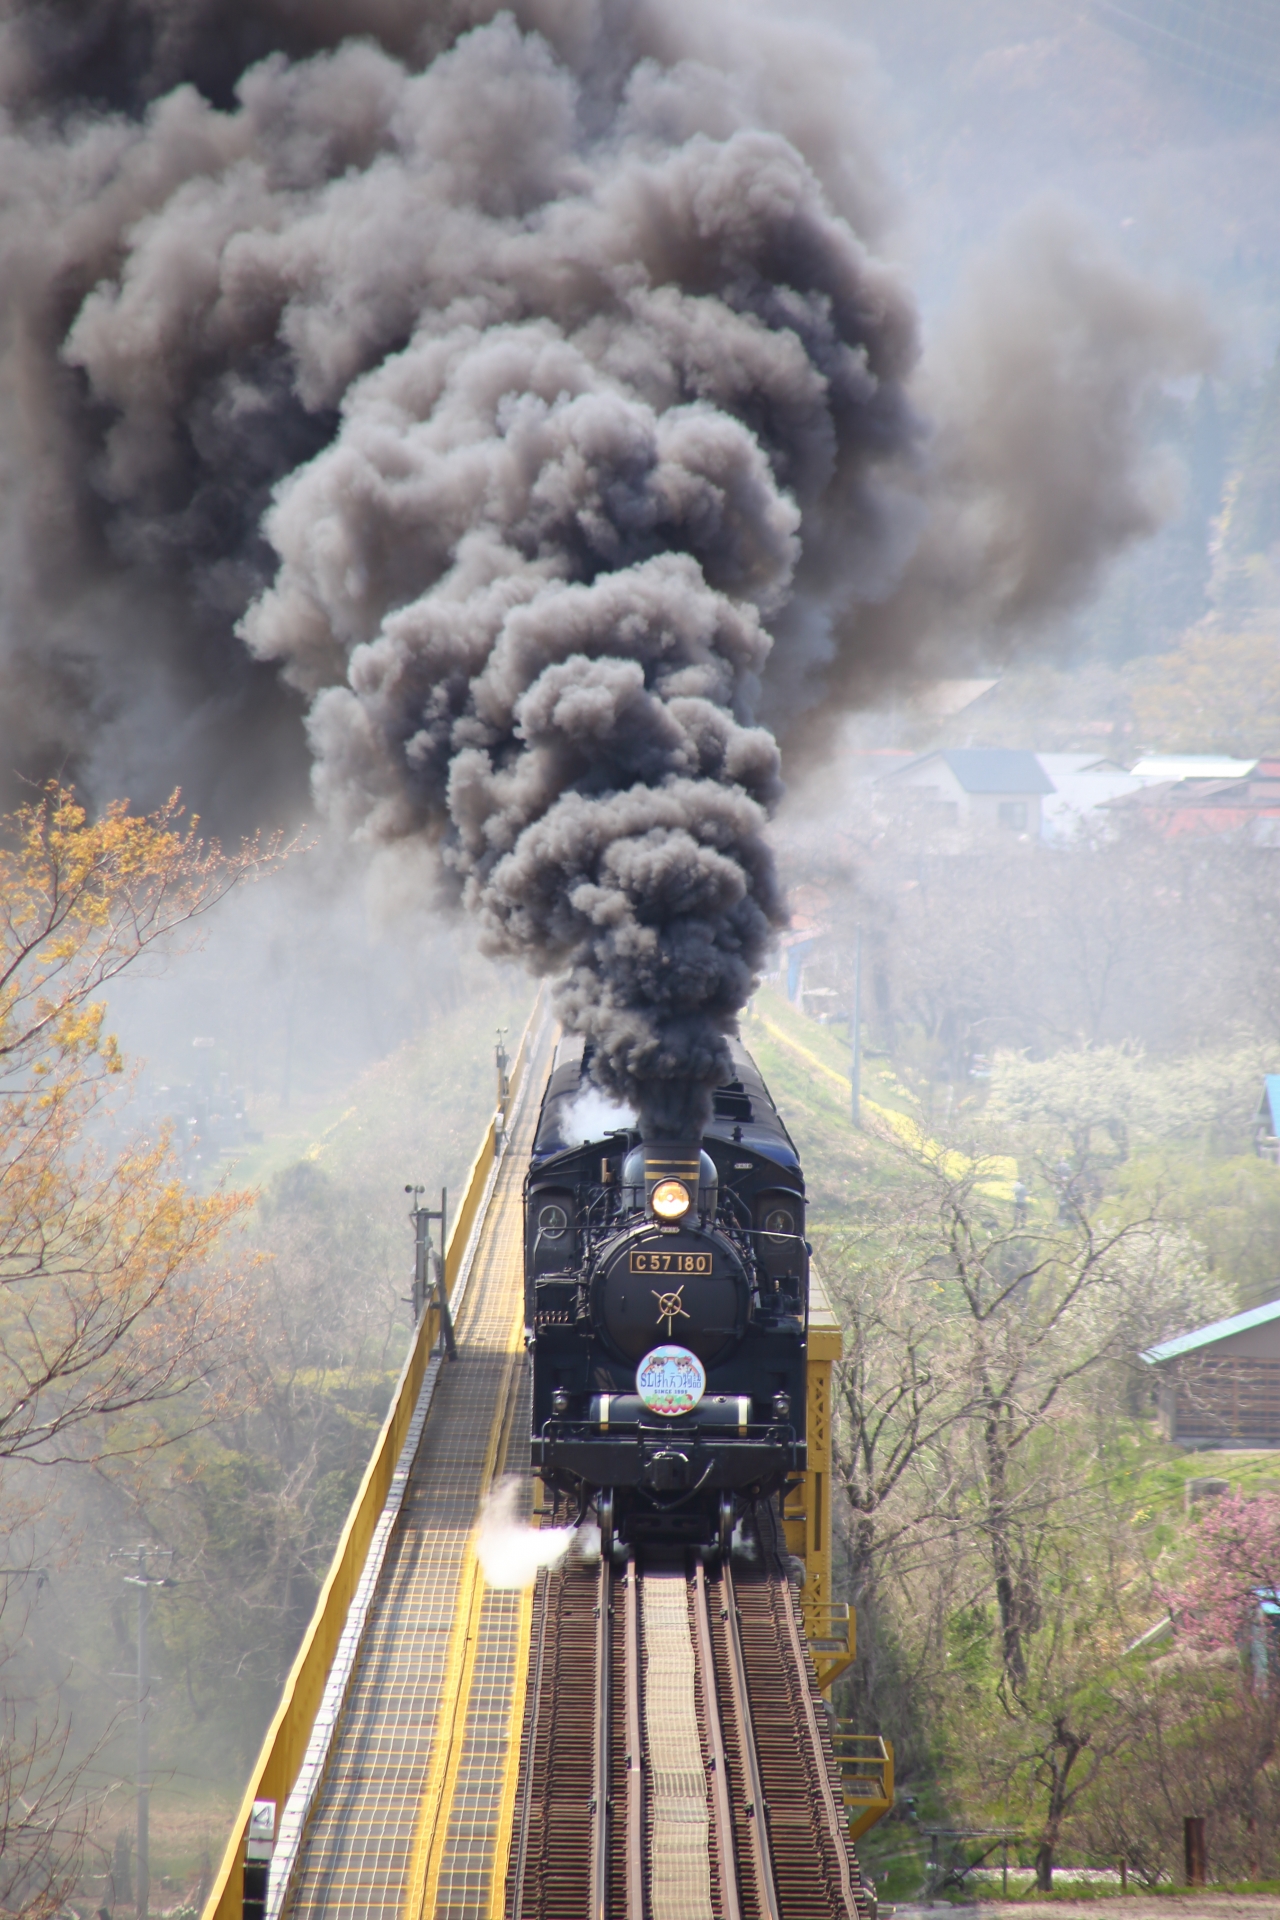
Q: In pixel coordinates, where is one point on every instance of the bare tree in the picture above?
(48, 1790)
(986, 1346)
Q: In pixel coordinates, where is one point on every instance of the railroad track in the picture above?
(676, 1762)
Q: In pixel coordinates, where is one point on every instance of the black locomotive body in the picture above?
(666, 1301)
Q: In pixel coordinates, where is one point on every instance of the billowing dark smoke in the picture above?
(522, 392)
(1041, 466)
(598, 344)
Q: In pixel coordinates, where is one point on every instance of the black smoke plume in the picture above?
(520, 391)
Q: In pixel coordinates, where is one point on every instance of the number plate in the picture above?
(662, 1260)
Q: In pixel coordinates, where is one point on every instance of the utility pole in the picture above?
(144, 1558)
(855, 1073)
(426, 1261)
(504, 1093)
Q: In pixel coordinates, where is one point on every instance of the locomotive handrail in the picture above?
(284, 1744)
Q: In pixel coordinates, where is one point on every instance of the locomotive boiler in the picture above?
(666, 1308)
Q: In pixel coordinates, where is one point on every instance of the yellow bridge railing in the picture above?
(284, 1746)
(866, 1768)
(831, 1628)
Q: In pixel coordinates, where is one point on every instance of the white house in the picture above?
(1001, 787)
(1081, 782)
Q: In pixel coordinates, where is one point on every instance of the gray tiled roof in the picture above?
(988, 769)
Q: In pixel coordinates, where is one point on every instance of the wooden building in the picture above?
(1220, 1386)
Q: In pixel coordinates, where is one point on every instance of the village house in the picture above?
(1220, 1386)
(1083, 783)
(1245, 804)
(998, 787)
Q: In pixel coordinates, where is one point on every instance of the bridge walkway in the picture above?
(415, 1802)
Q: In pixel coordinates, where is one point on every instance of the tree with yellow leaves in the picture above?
(1215, 693)
(103, 1310)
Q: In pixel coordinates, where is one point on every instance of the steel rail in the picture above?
(600, 1735)
(757, 1805)
(836, 1821)
(533, 1709)
(634, 1875)
(756, 1808)
(721, 1811)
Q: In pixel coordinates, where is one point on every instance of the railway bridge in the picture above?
(647, 1742)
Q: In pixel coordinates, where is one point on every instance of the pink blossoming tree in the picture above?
(1235, 1566)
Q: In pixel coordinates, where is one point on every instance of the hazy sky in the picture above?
(988, 104)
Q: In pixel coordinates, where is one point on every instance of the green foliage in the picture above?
(1231, 1205)
(1013, 1518)
(969, 1647)
(1162, 1134)
(1218, 692)
(1103, 1101)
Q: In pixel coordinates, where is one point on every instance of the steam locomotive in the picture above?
(666, 1307)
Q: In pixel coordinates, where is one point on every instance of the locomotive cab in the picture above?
(666, 1309)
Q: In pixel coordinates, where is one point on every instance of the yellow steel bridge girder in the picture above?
(830, 1626)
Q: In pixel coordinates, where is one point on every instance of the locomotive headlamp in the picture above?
(670, 1199)
(781, 1405)
(559, 1401)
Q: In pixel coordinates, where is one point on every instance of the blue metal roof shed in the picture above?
(1220, 1384)
(1268, 1115)
(1210, 1336)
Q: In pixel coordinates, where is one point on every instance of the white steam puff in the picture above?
(591, 1116)
(524, 391)
(512, 1553)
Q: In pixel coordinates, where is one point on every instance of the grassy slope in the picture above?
(840, 1161)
